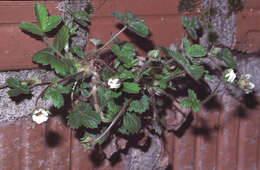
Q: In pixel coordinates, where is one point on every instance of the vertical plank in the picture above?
(79, 155)
(58, 144)
(33, 146)
(10, 146)
(248, 139)
(206, 141)
(228, 135)
(170, 147)
(184, 149)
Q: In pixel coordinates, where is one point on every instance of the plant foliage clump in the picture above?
(122, 97)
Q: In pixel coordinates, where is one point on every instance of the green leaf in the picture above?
(61, 66)
(80, 17)
(74, 120)
(31, 28)
(225, 54)
(41, 14)
(185, 44)
(115, 49)
(90, 120)
(191, 25)
(192, 101)
(95, 42)
(43, 56)
(195, 102)
(134, 23)
(53, 22)
(185, 21)
(119, 16)
(126, 76)
(153, 53)
(103, 96)
(187, 102)
(62, 38)
(139, 28)
(139, 106)
(125, 54)
(78, 52)
(17, 87)
(112, 110)
(132, 17)
(193, 34)
(132, 88)
(197, 71)
(196, 50)
(56, 95)
(131, 123)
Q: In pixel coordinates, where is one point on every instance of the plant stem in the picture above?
(107, 43)
(119, 114)
(58, 82)
(212, 94)
(47, 42)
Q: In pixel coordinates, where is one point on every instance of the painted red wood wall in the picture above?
(226, 138)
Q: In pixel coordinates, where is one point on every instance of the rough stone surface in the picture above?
(82, 33)
(223, 22)
(13, 109)
(136, 159)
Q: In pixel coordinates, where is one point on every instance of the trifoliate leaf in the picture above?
(139, 106)
(131, 123)
(132, 88)
(74, 120)
(41, 14)
(31, 28)
(17, 87)
(196, 50)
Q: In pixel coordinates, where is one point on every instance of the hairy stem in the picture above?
(58, 82)
(212, 94)
(119, 114)
(107, 43)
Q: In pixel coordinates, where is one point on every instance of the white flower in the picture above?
(230, 75)
(245, 84)
(40, 115)
(113, 83)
